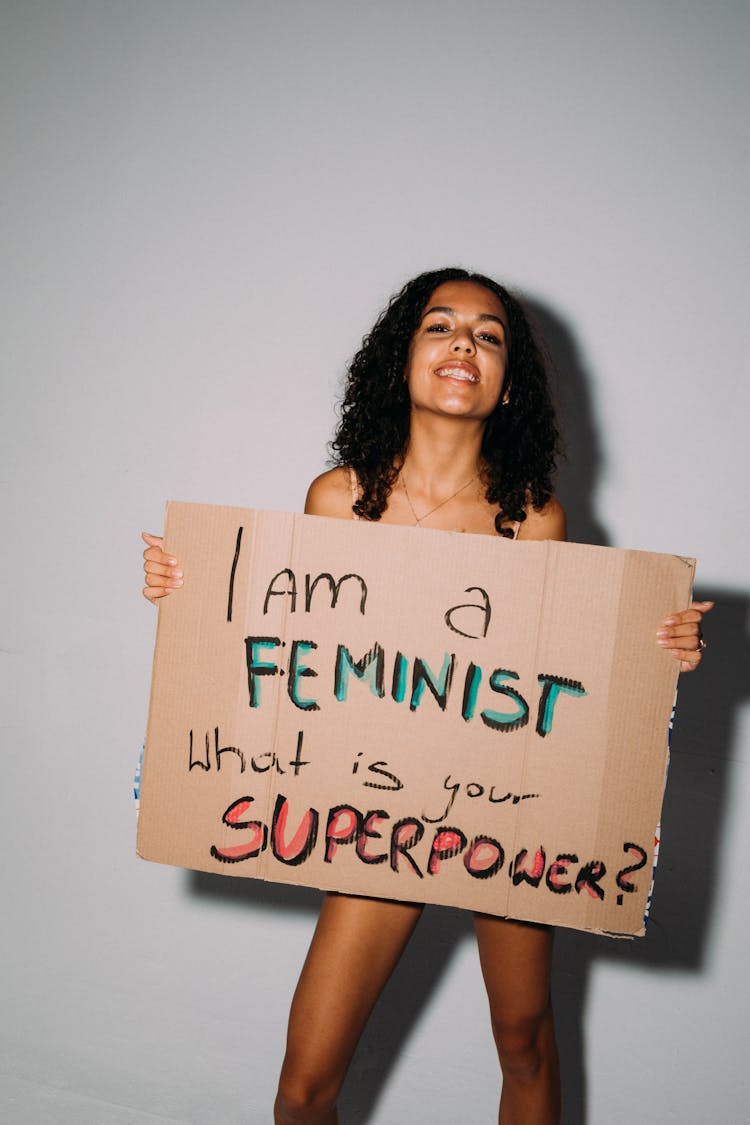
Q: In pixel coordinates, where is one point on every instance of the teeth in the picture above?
(457, 373)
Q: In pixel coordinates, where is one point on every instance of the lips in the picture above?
(463, 372)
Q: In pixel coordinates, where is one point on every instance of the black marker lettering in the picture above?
(588, 878)
(204, 764)
(369, 833)
(379, 771)
(290, 591)
(406, 834)
(334, 588)
(485, 610)
(232, 574)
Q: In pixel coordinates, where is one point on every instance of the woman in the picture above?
(446, 423)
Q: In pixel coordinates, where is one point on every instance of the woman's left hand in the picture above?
(681, 634)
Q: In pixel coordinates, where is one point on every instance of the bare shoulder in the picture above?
(330, 494)
(547, 523)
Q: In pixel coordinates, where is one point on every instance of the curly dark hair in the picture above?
(520, 442)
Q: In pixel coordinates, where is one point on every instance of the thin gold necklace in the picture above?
(418, 519)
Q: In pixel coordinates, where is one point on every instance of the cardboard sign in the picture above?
(412, 714)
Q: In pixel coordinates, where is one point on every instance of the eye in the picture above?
(490, 337)
(437, 328)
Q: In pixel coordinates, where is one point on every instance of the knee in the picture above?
(523, 1044)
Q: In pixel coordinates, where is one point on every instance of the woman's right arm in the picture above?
(162, 570)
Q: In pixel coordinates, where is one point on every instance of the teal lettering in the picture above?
(370, 668)
(398, 683)
(500, 720)
(296, 671)
(256, 667)
(422, 675)
(471, 687)
(553, 687)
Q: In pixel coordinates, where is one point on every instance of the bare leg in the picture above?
(516, 959)
(356, 946)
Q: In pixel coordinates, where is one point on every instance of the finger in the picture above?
(160, 568)
(676, 634)
(155, 549)
(155, 554)
(682, 629)
(688, 661)
(685, 645)
(159, 580)
(683, 618)
(153, 593)
(695, 613)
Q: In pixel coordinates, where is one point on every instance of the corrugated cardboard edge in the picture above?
(151, 700)
(691, 564)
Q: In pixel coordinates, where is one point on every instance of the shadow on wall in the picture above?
(694, 814)
(580, 468)
(695, 811)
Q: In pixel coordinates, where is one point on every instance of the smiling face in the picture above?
(459, 353)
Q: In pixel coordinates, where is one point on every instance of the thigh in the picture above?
(516, 959)
(356, 946)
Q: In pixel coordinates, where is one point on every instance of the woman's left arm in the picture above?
(681, 635)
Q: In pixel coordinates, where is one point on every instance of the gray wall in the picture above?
(204, 207)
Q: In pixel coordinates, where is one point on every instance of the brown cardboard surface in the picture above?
(445, 718)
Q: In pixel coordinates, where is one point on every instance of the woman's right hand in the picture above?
(162, 573)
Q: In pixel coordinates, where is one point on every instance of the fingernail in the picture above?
(669, 621)
(664, 641)
(662, 632)
(171, 562)
(176, 582)
(176, 574)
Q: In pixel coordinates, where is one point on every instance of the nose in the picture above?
(463, 342)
